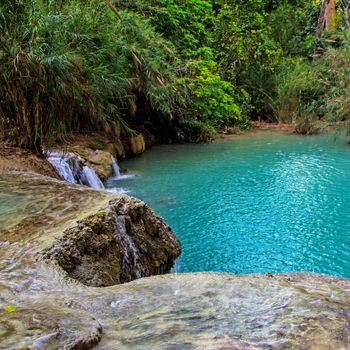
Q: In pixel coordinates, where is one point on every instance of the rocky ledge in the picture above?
(121, 242)
(59, 242)
(95, 237)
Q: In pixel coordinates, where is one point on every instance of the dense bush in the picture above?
(316, 90)
(185, 68)
(72, 67)
(213, 102)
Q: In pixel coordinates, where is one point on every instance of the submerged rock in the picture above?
(208, 311)
(221, 311)
(59, 240)
(48, 328)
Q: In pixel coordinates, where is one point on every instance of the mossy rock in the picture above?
(137, 144)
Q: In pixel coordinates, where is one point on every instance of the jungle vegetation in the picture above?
(182, 68)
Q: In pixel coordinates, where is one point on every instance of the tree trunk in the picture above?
(326, 20)
(346, 7)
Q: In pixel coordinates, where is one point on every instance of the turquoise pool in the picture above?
(265, 202)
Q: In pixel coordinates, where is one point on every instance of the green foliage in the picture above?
(74, 66)
(296, 82)
(265, 47)
(189, 26)
(242, 35)
(293, 27)
(212, 98)
(246, 51)
(186, 67)
(184, 23)
(195, 131)
(319, 90)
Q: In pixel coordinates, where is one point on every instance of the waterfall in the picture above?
(90, 178)
(132, 267)
(61, 162)
(72, 169)
(116, 170)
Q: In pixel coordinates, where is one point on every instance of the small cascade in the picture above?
(61, 162)
(132, 267)
(116, 170)
(90, 178)
(72, 169)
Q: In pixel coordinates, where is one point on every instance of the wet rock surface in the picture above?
(52, 236)
(223, 311)
(119, 243)
(100, 161)
(39, 329)
(13, 158)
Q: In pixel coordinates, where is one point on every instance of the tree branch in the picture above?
(113, 9)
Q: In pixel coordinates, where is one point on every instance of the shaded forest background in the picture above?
(184, 69)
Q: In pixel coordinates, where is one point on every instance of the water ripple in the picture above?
(254, 204)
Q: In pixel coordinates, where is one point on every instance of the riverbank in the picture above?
(18, 159)
(286, 128)
(98, 150)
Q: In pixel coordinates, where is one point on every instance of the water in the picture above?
(117, 174)
(116, 168)
(261, 203)
(131, 259)
(63, 165)
(72, 168)
(91, 179)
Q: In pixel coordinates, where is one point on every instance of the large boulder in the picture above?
(101, 162)
(122, 241)
(114, 238)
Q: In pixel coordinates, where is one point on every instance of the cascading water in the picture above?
(117, 176)
(62, 164)
(72, 169)
(116, 170)
(90, 178)
(132, 266)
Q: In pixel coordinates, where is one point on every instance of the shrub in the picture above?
(71, 66)
(319, 88)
